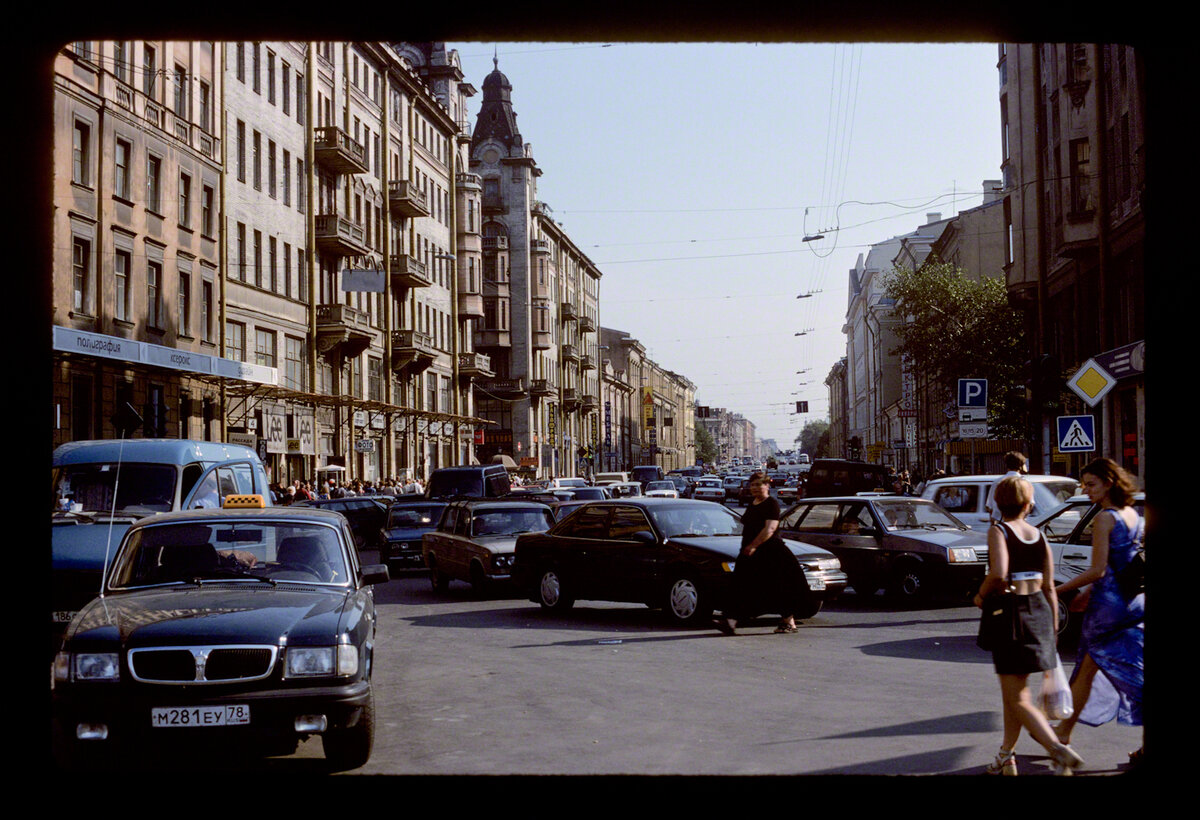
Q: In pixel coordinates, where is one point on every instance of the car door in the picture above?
(626, 563)
(845, 528)
(577, 546)
(965, 502)
(222, 479)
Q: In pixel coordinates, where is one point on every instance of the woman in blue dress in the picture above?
(1108, 676)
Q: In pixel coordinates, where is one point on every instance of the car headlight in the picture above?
(317, 661)
(502, 561)
(962, 554)
(95, 666)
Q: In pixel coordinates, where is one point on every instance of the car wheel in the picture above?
(552, 593)
(687, 603)
(439, 580)
(350, 748)
(808, 608)
(478, 579)
(909, 583)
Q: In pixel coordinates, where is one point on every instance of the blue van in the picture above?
(103, 486)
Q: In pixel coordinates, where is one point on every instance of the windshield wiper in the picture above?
(230, 572)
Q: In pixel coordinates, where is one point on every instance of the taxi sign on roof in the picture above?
(245, 501)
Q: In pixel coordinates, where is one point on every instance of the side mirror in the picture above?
(644, 537)
(375, 574)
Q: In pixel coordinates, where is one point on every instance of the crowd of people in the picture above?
(301, 489)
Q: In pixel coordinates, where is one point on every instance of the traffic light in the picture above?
(1048, 383)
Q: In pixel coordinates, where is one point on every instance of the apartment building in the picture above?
(1073, 148)
(257, 243)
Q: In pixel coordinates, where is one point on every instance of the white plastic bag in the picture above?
(1056, 693)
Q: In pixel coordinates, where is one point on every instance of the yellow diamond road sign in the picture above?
(1091, 382)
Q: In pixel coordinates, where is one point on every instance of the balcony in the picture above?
(567, 312)
(409, 272)
(465, 179)
(505, 388)
(542, 340)
(339, 236)
(342, 331)
(541, 388)
(590, 403)
(474, 365)
(495, 243)
(569, 353)
(492, 338)
(406, 198)
(587, 361)
(571, 398)
(463, 134)
(340, 154)
(412, 351)
(539, 246)
(493, 204)
(586, 325)
(470, 306)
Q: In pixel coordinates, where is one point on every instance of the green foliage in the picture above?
(957, 327)
(814, 438)
(706, 448)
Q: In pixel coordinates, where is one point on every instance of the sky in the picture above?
(691, 174)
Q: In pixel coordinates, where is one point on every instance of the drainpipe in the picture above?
(222, 237)
(310, 227)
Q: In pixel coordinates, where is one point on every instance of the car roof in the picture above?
(148, 451)
(969, 478)
(274, 513)
(497, 503)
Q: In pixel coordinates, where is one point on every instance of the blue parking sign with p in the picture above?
(972, 392)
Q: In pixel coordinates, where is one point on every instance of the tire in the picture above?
(478, 580)
(350, 748)
(686, 602)
(437, 579)
(552, 594)
(808, 608)
(910, 583)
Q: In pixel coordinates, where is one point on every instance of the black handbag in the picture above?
(1131, 578)
(999, 622)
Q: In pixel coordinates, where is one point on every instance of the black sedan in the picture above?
(671, 553)
(366, 514)
(243, 629)
(910, 546)
(407, 521)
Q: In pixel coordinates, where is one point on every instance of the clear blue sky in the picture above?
(691, 172)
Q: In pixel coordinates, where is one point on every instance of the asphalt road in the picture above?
(491, 685)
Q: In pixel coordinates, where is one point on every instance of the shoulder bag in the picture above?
(999, 622)
(1131, 578)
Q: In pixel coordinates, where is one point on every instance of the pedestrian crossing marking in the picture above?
(1077, 437)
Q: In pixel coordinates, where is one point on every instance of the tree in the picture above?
(706, 448)
(814, 438)
(956, 327)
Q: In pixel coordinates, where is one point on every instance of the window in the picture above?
(149, 69)
(271, 248)
(264, 347)
(81, 154)
(81, 264)
(287, 269)
(270, 77)
(258, 279)
(271, 168)
(235, 341)
(374, 379)
(301, 186)
(154, 294)
(185, 303)
(1081, 182)
(256, 160)
(241, 151)
(299, 98)
(287, 177)
(120, 58)
(121, 265)
(240, 275)
(293, 351)
(121, 165)
(153, 190)
(206, 311)
(205, 106)
(285, 78)
(256, 68)
(185, 200)
(206, 210)
(241, 61)
(181, 92)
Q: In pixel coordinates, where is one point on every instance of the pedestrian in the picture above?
(1014, 465)
(1107, 680)
(1020, 563)
(766, 575)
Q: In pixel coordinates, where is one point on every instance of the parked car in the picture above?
(671, 553)
(908, 545)
(400, 538)
(102, 487)
(661, 489)
(474, 540)
(1073, 552)
(248, 628)
(838, 476)
(709, 489)
(367, 516)
(966, 496)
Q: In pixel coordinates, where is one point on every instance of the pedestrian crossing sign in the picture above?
(1076, 434)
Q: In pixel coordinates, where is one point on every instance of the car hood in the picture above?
(407, 533)
(942, 538)
(731, 545)
(497, 543)
(82, 546)
(226, 612)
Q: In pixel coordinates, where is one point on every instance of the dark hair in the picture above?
(757, 477)
(1012, 494)
(1014, 460)
(1106, 469)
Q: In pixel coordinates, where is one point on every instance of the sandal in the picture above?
(1004, 764)
(725, 626)
(785, 629)
(1065, 759)
(1137, 757)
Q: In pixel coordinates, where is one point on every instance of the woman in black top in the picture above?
(766, 577)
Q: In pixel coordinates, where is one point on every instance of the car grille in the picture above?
(202, 664)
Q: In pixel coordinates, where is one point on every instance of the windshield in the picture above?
(706, 519)
(456, 482)
(659, 485)
(413, 517)
(908, 514)
(1047, 495)
(511, 522)
(191, 552)
(142, 488)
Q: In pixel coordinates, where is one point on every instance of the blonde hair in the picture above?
(1012, 494)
